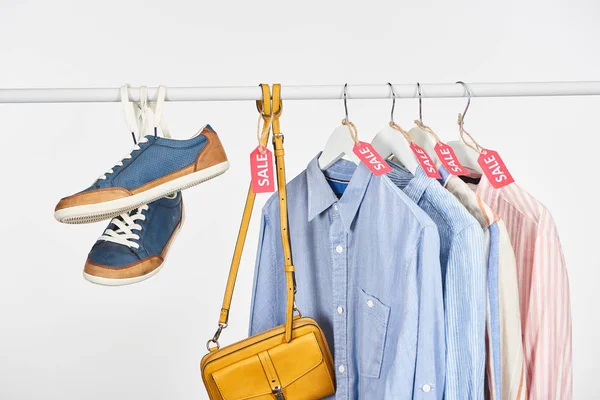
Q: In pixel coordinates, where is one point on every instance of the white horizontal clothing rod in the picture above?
(324, 92)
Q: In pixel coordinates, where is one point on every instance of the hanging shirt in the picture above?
(543, 289)
(493, 345)
(464, 266)
(506, 372)
(368, 271)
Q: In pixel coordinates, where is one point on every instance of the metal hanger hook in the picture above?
(420, 103)
(462, 120)
(345, 101)
(393, 101)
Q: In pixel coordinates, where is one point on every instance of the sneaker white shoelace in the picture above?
(127, 157)
(126, 224)
(136, 117)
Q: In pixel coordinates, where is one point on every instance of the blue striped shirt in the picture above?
(368, 272)
(464, 265)
(494, 304)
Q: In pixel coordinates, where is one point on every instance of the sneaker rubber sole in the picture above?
(102, 211)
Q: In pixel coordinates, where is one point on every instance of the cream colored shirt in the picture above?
(512, 370)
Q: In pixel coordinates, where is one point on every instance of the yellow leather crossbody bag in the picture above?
(291, 361)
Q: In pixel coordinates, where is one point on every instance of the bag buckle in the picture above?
(215, 339)
(278, 393)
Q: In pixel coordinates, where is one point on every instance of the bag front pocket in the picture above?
(373, 317)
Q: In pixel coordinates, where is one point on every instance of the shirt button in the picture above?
(342, 369)
(426, 388)
(339, 249)
(335, 207)
(370, 303)
(340, 310)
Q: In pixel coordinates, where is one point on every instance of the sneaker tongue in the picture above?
(134, 212)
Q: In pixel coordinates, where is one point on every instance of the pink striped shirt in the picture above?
(543, 290)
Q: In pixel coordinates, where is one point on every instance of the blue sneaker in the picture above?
(156, 167)
(135, 244)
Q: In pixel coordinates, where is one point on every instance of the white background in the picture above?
(64, 338)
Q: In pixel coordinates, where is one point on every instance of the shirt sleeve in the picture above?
(466, 304)
(548, 320)
(430, 347)
(265, 312)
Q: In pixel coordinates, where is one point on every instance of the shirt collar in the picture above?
(487, 192)
(399, 175)
(445, 175)
(412, 185)
(471, 201)
(321, 196)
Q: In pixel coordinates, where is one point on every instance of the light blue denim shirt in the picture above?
(464, 265)
(368, 271)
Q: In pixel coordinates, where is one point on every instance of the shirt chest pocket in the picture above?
(372, 320)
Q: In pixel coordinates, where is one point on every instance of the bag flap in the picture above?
(246, 379)
(243, 380)
(297, 358)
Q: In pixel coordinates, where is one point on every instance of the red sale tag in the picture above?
(426, 162)
(372, 160)
(448, 159)
(494, 168)
(261, 170)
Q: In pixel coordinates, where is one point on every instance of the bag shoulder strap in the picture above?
(283, 214)
(271, 112)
